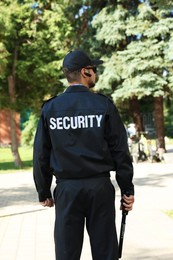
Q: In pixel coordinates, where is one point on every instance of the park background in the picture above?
(134, 39)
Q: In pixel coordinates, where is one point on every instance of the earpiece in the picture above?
(87, 74)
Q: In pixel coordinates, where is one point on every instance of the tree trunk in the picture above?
(14, 142)
(159, 121)
(136, 114)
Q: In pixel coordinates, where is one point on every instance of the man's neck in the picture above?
(78, 84)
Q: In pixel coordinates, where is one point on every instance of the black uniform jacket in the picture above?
(80, 135)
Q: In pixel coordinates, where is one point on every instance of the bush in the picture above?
(28, 133)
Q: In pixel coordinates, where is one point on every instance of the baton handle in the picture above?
(123, 224)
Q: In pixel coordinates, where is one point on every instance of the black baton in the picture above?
(122, 230)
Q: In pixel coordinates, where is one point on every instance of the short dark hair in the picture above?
(72, 75)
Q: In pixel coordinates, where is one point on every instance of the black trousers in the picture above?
(91, 200)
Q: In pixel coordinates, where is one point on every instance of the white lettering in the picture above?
(59, 123)
(81, 122)
(91, 117)
(66, 122)
(86, 121)
(99, 118)
(73, 121)
(52, 123)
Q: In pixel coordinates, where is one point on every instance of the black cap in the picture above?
(78, 59)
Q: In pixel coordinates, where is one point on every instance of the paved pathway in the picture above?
(26, 228)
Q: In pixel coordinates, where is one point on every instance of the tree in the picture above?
(81, 14)
(139, 37)
(33, 42)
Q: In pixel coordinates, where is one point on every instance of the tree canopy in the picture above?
(34, 39)
(139, 41)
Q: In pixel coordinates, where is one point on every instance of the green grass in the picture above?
(7, 162)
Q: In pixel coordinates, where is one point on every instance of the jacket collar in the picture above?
(76, 88)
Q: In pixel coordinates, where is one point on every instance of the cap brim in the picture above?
(97, 62)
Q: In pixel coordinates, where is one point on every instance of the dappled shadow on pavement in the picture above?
(169, 150)
(17, 196)
(153, 180)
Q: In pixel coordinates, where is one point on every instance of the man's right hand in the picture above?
(127, 202)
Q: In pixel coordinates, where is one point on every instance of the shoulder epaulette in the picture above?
(105, 97)
(46, 101)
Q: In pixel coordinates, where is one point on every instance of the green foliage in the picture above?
(34, 39)
(139, 40)
(110, 25)
(3, 59)
(81, 13)
(161, 3)
(28, 133)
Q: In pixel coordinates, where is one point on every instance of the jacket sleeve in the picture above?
(118, 146)
(41, 160)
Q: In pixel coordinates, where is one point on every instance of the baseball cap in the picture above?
(78, 59)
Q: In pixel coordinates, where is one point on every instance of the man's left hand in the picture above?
(49, 202)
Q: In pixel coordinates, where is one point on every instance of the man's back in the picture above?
(77, 122)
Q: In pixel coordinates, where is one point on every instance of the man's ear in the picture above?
(85, 73)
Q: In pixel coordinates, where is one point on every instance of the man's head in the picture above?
(79, 68)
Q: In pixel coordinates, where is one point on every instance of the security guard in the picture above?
(80, 138)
